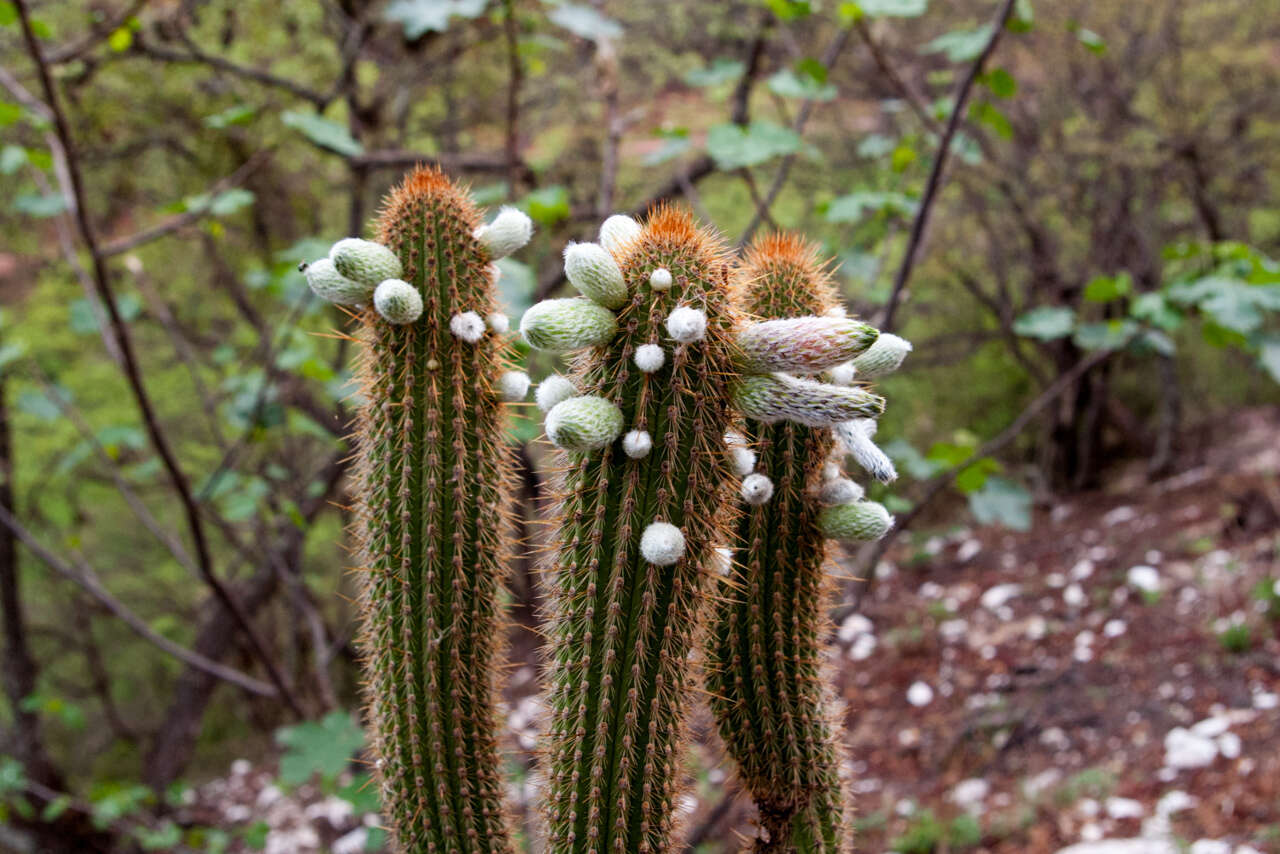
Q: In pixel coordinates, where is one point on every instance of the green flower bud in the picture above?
(397, 301)
(331, 286)
(803, 344)
(592, 270)
(779, 397)
(583, 423)
(365, 262)
(561, 325)
(860, 522)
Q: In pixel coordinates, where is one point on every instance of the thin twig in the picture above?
(934, 183)
(87, 579)
(129, 363)
(199, 57)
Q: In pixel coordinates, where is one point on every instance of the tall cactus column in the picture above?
(646, 504)
(433, 487)
(764, 647)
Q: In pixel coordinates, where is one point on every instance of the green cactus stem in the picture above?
(764, 648)
(432, 501)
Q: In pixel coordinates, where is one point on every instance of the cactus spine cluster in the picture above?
(433, 487)
(765, 643)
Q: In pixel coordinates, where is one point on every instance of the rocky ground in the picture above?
(1108, 683)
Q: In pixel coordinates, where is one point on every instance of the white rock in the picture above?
(862, 647)
(1229, 745)
(1144, 578)
(919, 694)
(968, 550)
(854, 625)
(970, 793)
(1210, 846)
(1266, 700)
(1122, 846)
(1082, 570)
(1121, 808)
(999, 595)
(1184, 749)
(953, 631)
(1119, 516)
(352, 843)
(1211, 727)
(1115, 628)
(1174, 801)
(1074, 596)
(241, 767)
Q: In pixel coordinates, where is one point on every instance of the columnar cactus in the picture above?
(764, 647)
(432, 488)
(644, 512)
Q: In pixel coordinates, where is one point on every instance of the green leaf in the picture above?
(419, 17)
(988, 114)
(224, 204)
(1269, 357)
(853, 206)
(876, 145)
(915, 463)
(790, 10)
(735, 147)
(790, 84)
(1001, 501)
(37, 404)
(961, 45)
(8, 14)
(55, 808)
(163, 838)
(1154, 309)
(12, 158)
(1023, 17)
(1232, 303)
(720, 70)
(1108, 288)
(1092, 41)
(1106, 335)
(1048, 322)
(237, 115)
(121, 39)
(9, 113)
(39, 206)
(323, 132)
(885, 9)
(13, 777)
(546, 205)
(675, 143)
(1001, 83)
(1155, 341)
(321, 747)
(585, 22)
(973, 477)
(516, 285)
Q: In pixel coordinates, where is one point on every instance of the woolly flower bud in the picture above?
(331, 286)
(722, 561)
(617, 231)
(830, 471)
(843, 374)
(365, 261)
(883, 357)
(662, 544)
(509, 230)
(637, 444)
(840, 490)
(513, 386)
(583, 423)
(552, 390)
(397, 301)
(498, 322)
(467, 326)
(660, 279)
(686, 324)
(778, 397)
(860, 522)
(561, 325)
(742, 458)
(649, 357)
(836, 311)
(803, 344)
(756, 489)
(592, 270)
(855, 437)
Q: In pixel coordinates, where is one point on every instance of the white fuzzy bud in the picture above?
(843, 374)
(662, 544)
(617, 231)
(885, 356)
(660, 279)
(364, 261)
(756, 489)
(839, 490)
(467, 326)
(743, 460)
(498, 322)
(583, 423)
(836, 311)
(830, 471)
(723, 561)
(649, 358)
(637, 444)
(552, 390)
(686, 324)
(855, 437)
(803, 344)
(331, 286)
(509, 230)
(513, 386)
(397, 301)
(592, 270)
